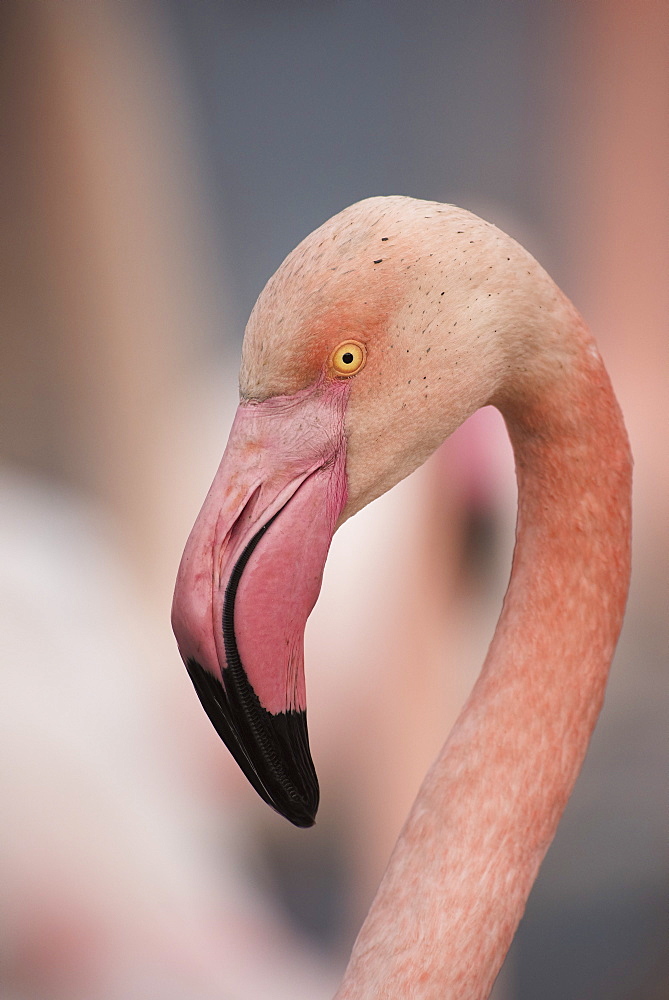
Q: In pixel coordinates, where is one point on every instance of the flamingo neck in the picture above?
(465, 862)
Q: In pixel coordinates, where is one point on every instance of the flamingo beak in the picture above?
(249, 578)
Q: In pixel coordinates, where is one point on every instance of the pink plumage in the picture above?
(452, 315)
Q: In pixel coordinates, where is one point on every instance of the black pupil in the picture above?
(347, 358)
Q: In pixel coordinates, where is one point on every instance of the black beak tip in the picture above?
(272, 750)
(297, 814)
(287, 770)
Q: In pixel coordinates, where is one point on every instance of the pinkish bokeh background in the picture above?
(158, 161)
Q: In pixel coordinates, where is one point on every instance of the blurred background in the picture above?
(157, 162)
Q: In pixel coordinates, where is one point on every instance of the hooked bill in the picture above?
(248, 580)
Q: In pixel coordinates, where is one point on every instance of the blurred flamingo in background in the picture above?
(380, 334)
(120, 878)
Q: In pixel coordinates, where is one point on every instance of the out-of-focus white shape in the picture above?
(115, 879)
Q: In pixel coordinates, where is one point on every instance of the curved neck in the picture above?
(462, 870)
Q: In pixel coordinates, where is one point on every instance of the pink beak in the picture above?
(249, 577)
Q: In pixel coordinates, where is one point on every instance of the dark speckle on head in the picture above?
(379, 260)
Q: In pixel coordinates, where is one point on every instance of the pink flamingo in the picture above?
(378, 335)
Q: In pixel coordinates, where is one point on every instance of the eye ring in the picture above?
(348, 358)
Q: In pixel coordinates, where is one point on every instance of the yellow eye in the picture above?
(348, 358)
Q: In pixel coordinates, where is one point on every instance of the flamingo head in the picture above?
(348, 356)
